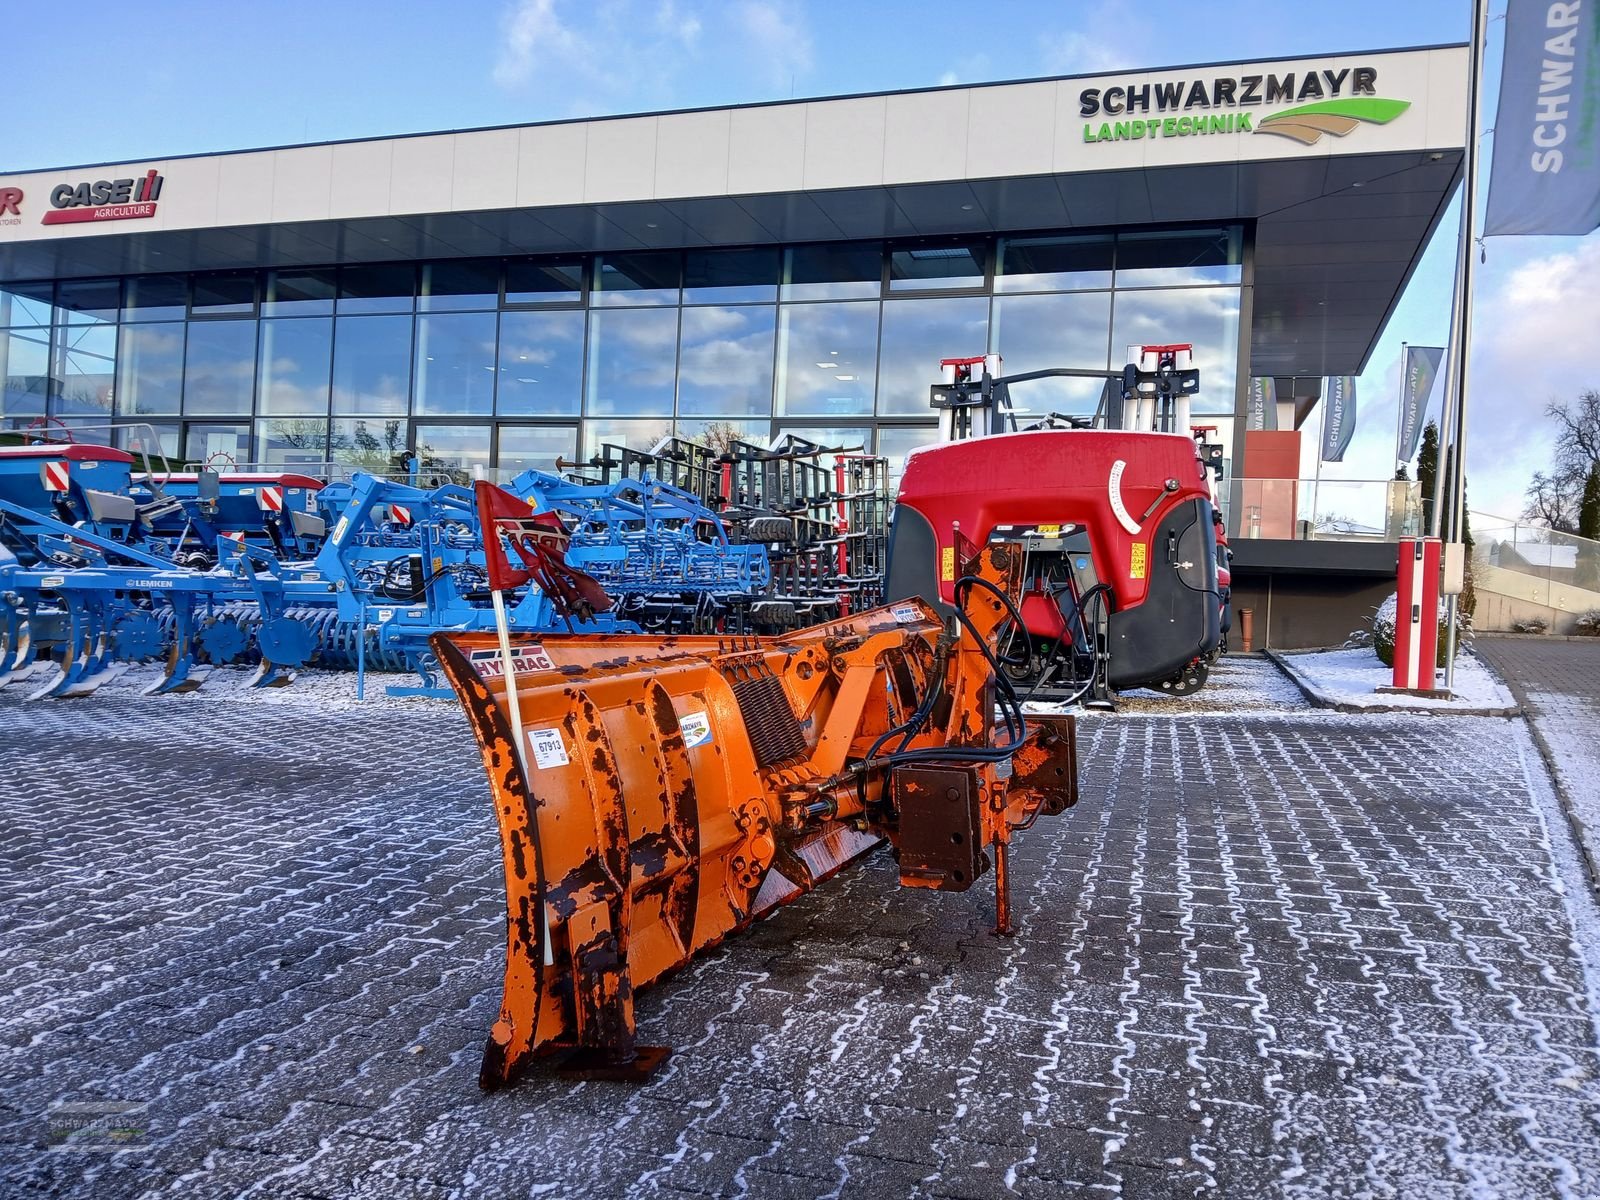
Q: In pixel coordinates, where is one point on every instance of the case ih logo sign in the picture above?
(104, 200)
(1339, 102)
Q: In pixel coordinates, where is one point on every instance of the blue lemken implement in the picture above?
(101, 568)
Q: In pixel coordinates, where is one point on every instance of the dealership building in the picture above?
(506, 297)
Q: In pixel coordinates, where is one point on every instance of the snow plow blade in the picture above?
(670, 790)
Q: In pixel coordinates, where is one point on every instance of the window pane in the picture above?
(896, 441)
(221, 446)
(89, 301)
(1035, 333)
(296, 356)
(25, 304)
(632, 362)
(374, 446)
(454, 448)
(730, 276)
(155, 298)
(233, 294)
(371, 365)
(292, 441)
(833, 272)
(541, 363)
(1207, 317)
(219, 371)
(385, 288)
(536, 447)
(456, 364)
(150, 370)
(86, 363)
(834, 437)
(25, 366)
(1053, 264)
(530, 281)
(916, 335)
(725, 368)
(453, 286)
(154, 441)
(622, 279)
(299, 294)
(638, 435)
(717, 432)
(87, 429)
(919, 268)
(828, 359)
(1178, 257)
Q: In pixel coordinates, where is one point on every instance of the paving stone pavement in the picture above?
(1558, 686)
(1273, 954)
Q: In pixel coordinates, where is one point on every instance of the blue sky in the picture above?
(105, 81)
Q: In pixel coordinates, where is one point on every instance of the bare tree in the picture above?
(1554, 497)
(1551, 502)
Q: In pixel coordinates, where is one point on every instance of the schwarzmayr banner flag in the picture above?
(1545, 175)
(1263, 411)
(1421, 368)
(1338, 417)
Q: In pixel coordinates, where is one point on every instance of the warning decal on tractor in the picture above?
(696, 729)
(947, 564)
(548, 748)
(488, 663)
(905, 613)
(1138, 560)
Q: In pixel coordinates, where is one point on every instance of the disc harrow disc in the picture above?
(222, 640)
(136, 637)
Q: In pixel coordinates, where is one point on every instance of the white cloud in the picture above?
(1099, 42)
(778, 39)
(534, 33)
(1074, 53)
(1533, 342)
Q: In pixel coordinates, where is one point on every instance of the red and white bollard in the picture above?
(1416, 618)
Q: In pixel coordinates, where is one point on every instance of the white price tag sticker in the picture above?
(548, 748)
(696, 729)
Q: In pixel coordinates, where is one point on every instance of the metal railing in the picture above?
(1524, 572)
(1344, 510)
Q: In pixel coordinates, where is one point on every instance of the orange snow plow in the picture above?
(656, 794)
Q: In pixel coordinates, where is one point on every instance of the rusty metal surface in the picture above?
(940, 826)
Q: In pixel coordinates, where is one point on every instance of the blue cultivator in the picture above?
(199, 571)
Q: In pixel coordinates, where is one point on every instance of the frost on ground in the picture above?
(1274, 954)
(1238, 686)
(1352, 678)
(311, 688)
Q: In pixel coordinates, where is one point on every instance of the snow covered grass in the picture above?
(1350, 679)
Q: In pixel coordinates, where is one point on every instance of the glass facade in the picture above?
(519, 363)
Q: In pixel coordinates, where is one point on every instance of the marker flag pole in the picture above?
(507, 663)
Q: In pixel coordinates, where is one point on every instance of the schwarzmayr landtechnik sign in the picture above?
(1333, 102)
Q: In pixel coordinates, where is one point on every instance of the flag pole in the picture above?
(1455, 456)
(1400, 411)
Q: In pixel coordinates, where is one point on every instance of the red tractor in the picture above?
(1118, 526)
